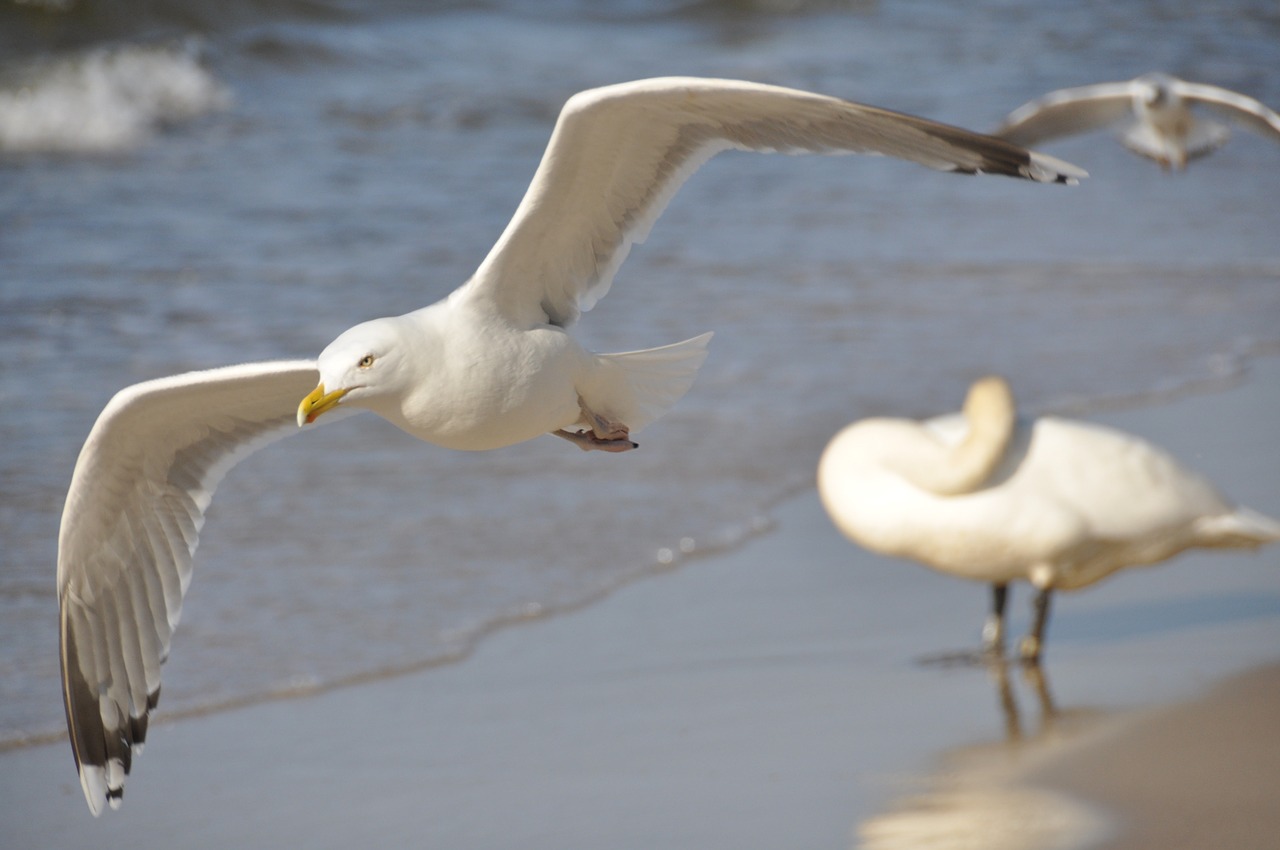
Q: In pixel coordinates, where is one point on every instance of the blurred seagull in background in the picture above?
(490, 365)
(988, 496)
(1154, 112)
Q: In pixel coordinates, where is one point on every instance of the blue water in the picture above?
(262, 176)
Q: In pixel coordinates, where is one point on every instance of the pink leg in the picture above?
(588, 441)
(605, 434)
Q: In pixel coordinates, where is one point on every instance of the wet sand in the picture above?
(1197, 774)
(1204, 773)
(769, 697)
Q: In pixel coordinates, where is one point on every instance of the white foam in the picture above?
(104, 100)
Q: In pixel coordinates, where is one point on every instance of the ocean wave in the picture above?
(104, 100)
(36, 27)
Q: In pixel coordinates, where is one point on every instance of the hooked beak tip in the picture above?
(317, 403)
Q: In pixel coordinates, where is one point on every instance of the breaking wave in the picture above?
(104, 100)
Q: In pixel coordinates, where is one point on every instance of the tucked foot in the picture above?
(601, 426)
(588, 441)
(606, 435)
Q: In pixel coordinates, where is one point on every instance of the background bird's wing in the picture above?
(1237, 108)
(618, 154)
(1067, 112)
(129, 529)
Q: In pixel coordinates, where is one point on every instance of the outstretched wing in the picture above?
(1067, 112)
(618, 154)
(1237, 108)
(129, 529)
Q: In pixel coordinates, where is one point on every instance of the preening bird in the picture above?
(1153, 112)
(490, 365)
(988, 496)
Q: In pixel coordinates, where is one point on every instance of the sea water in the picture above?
(200, 183)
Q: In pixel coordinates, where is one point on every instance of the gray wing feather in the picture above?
(618, 154)
(129, 530)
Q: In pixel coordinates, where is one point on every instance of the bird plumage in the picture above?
(137, 499)
(490, 365)
(1153, 114)
(1067, 503)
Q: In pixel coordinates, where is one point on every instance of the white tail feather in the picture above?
(1245, 527)
(637, 387)
(1205, 137)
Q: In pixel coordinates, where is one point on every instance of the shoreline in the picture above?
(725, 541)
(1199, 773)
(1191, 774)
(768, 696)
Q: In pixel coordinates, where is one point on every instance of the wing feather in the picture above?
(618, 154)
(152, 649)
(155, 551)
(1237, 108)
(132, 520)
(1067, 112)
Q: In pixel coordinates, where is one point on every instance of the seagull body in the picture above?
(462, 375)
(991, 497)
(1153, 112)
(491, 365)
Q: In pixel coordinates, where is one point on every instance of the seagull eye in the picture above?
(366, 361)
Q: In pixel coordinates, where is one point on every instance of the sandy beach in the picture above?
(1197, 774)
(769, 697)
(196, 184)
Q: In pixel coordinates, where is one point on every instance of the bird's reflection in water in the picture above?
(1037, 680)
(1003, 671)
(979, 800)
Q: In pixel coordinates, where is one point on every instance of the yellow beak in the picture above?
(317, 403)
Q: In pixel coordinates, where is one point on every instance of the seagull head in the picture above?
(1157, 90)
(364, 367)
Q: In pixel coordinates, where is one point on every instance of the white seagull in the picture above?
(1154, 112)
(988, 496)
(489, 366)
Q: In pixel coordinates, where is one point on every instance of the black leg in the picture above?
(993, 629)
(1033, 643)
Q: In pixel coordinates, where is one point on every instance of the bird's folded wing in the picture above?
(618, 154)
(129, 529)
(1067, 112)
(1234, 107)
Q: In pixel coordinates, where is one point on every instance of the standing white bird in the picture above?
(489, 366)
(987, 496)
(1154, 112)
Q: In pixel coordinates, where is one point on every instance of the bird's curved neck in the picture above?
(968, 465)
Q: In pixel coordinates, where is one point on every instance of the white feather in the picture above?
(618, 154)
(1152, 113)
(1068, 504)
(489, 366)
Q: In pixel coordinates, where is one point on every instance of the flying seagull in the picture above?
(488, 366)
(988, 496)
(1154, 112)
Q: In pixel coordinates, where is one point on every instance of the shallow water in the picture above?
(330, 163)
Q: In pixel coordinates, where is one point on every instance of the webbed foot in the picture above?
(588, 441)
(605, 435)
